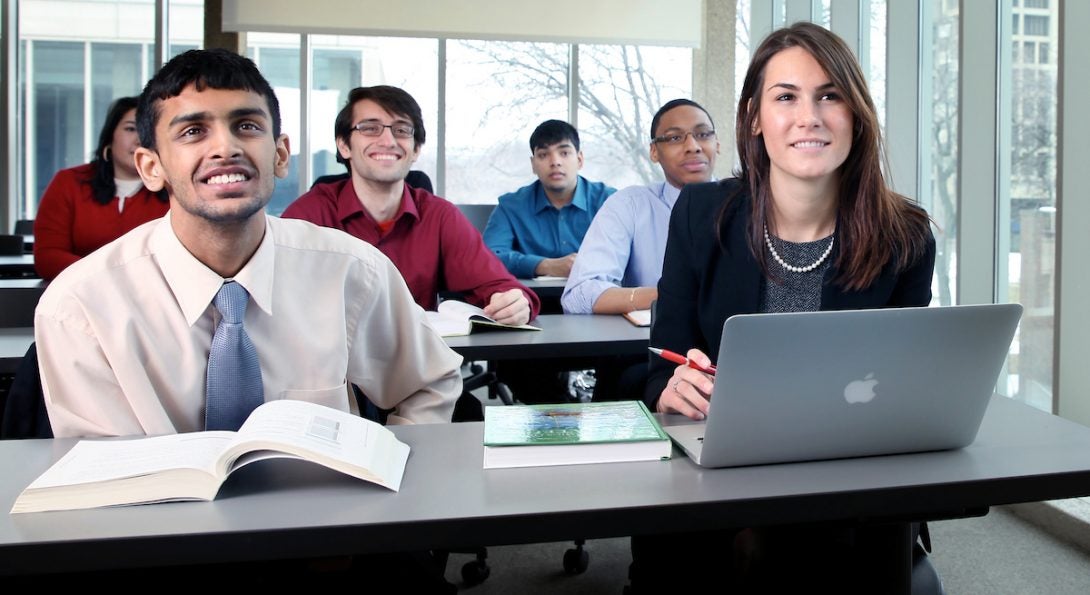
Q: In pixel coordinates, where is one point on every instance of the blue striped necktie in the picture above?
(234, 372)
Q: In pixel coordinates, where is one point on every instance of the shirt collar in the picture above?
(349, 205)
(579, 199)
(669, 194)
(194, 284)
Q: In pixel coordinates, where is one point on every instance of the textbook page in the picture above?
(92, 461)
(337, 439)
(455, 318)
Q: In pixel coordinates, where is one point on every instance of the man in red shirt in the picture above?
(379, 135)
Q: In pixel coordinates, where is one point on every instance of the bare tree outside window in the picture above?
(619, 89)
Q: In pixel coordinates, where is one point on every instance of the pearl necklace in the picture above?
(794, 269)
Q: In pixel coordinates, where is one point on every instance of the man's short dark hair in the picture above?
(204, 69)
(551, 132)
(392, 99)
(669, 105)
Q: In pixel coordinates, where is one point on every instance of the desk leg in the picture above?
(891, 566)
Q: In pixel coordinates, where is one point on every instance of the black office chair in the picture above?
(24, 227)
(477, 214)
(24, 413)
(415, 178)
(11, 245)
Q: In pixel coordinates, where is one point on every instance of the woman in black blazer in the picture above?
(809, 223)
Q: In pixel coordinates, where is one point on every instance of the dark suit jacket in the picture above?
(702, 284)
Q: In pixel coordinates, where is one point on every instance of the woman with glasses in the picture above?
(88, 206)
(808, 223)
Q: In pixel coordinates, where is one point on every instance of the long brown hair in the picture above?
(874, 224)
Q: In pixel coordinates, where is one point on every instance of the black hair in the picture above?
(103, 187)
(550, 132)
(392, 99)
(204, 69)
(669, 105)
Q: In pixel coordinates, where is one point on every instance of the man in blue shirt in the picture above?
(620, 261)
(537, 229)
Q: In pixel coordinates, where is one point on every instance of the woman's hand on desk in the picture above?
(688, 390)
(509, 307)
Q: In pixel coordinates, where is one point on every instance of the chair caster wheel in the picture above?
(576, 561)
(475, 572)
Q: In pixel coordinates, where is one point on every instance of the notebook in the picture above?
(824, 385)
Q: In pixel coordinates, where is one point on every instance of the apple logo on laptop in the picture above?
(860, 391)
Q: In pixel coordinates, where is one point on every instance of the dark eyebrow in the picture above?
(677, 129)
(791, 87)
(561, 145)
(245, 112)
(397, 120)
(189, 118)
(235, 114)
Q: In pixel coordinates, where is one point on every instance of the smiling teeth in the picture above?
(386, 157)
(810, 144)
(227, 179)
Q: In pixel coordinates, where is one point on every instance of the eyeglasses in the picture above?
(375, 129)
(700, 136)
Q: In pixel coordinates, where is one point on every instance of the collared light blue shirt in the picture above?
(525, 228)
(624, 247)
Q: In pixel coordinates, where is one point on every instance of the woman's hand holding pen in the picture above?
(688, 390)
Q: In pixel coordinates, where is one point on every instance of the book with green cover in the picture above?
(571, 434)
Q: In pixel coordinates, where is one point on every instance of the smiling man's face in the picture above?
(383, 158)
(215, 155)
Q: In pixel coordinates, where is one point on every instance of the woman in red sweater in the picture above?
(90, 205)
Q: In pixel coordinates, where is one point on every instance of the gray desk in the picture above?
(561, 335)
(545, 288)
(18, 298)
(278, 509)
(548, 291)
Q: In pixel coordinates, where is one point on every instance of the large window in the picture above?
(497, 93)
(73, 64)
(277, 55)
(941, 124)
(1030, 199)
(621, 89)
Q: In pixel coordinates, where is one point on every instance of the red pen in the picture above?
(681, 359)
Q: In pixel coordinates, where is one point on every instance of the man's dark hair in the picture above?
(392, 99)
(204, 69)
(669, 105)
(550, 132)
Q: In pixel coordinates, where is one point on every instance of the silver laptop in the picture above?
(826, 385)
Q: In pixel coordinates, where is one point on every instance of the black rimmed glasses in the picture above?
(677, 138)
(375, 129)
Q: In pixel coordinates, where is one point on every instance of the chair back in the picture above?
(415, 178)
(11, 245)
(477, 214)
(24, 413)
(24, 227)
(419, 179)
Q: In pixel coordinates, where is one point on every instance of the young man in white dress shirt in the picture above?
(124, 335)
(620, 260)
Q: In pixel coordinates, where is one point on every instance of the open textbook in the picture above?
(193, 466)
(456, 318)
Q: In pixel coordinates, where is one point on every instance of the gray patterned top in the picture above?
(787, 291)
